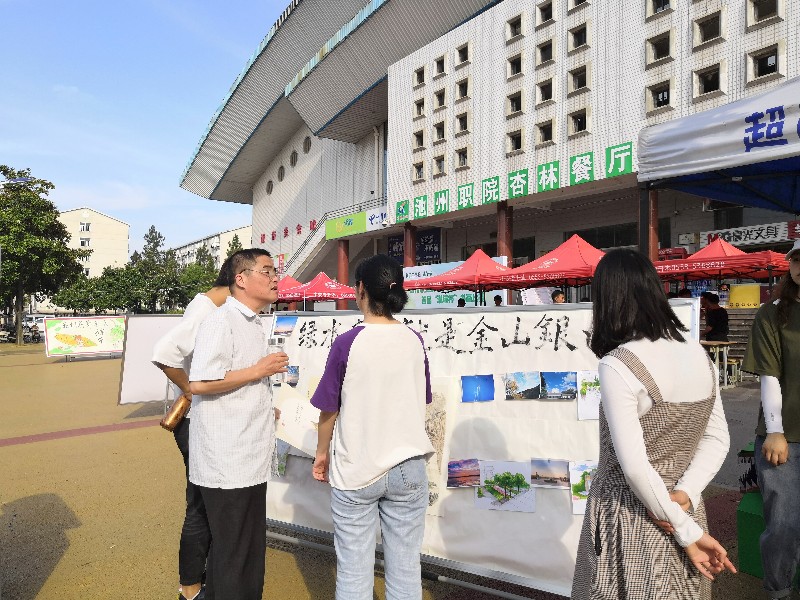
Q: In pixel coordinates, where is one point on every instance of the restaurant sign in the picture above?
(770, 233)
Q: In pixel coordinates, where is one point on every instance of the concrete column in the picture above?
(505, 236)
(648, 223)
(343, 268)
(409, 245)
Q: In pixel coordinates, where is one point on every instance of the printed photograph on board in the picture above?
(463, 473)
(504, 486)
(284, 325)
(580, 481)
(550, 473)
(588, 396)
(477, 388)
(559, 385)
(292, 376)
(522, 385)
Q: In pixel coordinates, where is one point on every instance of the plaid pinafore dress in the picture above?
(622, 554)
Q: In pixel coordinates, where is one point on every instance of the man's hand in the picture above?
(709, 557)
(271, 364)
(775, 448)
(680, 497)
(320, 468)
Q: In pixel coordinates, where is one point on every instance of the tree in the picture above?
(156, 274)
(36, 257)
(197, 277)
(234, 246)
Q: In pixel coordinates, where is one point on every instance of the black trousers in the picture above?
(196, 534)
(238, 520)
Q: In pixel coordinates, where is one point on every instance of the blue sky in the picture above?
(108, 99)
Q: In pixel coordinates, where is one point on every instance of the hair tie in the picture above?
(391, 284)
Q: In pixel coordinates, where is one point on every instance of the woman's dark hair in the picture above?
(383, 279)
(789, 291)
(224, 277)
(629, 303)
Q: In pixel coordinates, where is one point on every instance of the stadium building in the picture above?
(427, 130)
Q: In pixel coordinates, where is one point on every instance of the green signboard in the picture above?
(345, 226)
(581, 168)
(421, 207)
(466, 196)
(401, 213)
(548, 177)
(619, 159)
(441, 202)
(490, 190)
(518, 183)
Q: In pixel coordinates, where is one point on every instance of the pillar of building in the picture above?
(648, 222)
(343, 268)
(409, 245)
(505, 235)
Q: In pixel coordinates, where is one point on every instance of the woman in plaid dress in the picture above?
(663, 436)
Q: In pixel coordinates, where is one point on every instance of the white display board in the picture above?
(141, 380)
(492, 347)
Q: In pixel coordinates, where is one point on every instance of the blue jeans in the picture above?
(780, 542)
(399, 498)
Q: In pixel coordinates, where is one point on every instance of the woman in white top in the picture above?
(372, 445)
(663, 436)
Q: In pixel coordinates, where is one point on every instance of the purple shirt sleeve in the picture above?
(328, 395)
(428, 395)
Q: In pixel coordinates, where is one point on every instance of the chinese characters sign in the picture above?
(744, 236)
(72, 336)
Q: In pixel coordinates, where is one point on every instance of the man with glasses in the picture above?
(233, 427)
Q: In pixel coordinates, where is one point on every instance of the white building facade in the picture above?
(108, 239)
(353, 120)
(216, 244)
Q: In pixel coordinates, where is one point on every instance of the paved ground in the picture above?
(91, 494)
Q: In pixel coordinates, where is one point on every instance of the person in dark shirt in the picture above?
(716, 318)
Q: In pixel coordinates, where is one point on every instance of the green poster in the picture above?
(401, 211)
(346, 225)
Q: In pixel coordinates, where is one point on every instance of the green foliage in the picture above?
(36, 258)
(234, 246)
(78, 297)
(197, 277)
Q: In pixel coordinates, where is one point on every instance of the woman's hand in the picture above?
(709, 557)
(320, 468)
(681, 498)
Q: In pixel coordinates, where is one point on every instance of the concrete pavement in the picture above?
(91, 495)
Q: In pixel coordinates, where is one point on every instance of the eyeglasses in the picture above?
(271, 273)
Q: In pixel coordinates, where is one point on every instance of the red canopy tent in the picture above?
(572, 263)
(472, 275)
(284, 283)
(321, 287)
(721, 260)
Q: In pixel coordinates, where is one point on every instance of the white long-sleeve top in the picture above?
(682, 374)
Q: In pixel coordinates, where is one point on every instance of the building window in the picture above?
(708, 80)
(659, 47)
(419, 107)
(438, 165)
(293, 158)
(440, 99)
(281, 173)
(514, 104)
(463, 54)
(577, 3)
(85, 242)
(307, 145)
(545, 51)
(86, 226)
(86, 272)
(545, 13)
(708, 29)
(270, 187)
(462, 123)
(438, 66)
(462, 157)
(579, 37)
(658, 96)
(462, 89)
(545, 132)
(419, 76)
(438, 130)
(545, 91)
(579, 79)
(765, 62)
(514, 65)
(515, 141)
(514, 28)
(764, 9)
(418, 171)
(579, 122)
(660, 5)
(728, 218)
(419, 139)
